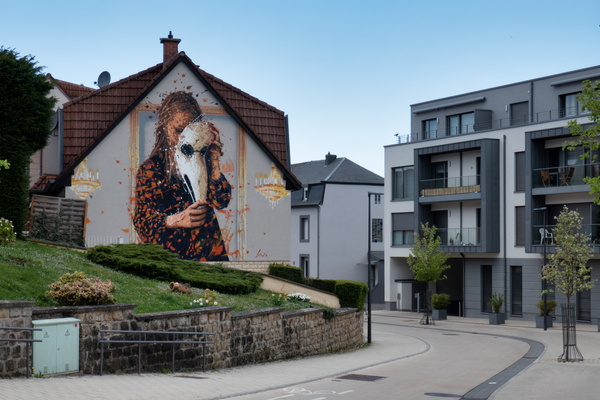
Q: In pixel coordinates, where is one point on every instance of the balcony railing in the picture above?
(459, 236)
(454, 185)
(565, 175)
(502, 123)
(537, 235)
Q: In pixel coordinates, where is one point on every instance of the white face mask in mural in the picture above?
(190, 157)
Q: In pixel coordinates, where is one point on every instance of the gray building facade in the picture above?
(488, 169)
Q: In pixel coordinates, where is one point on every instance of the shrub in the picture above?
(497, 301)
(351, 294)
(288, 272)
(77, 290)
(327, 285)
(550, 306)
(7, 232)
(152, 261)
(440, 301)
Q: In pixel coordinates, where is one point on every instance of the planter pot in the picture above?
(496, 319)
(539, 321)
(439, 315)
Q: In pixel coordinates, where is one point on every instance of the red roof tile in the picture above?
(88, 118)
(71, 90)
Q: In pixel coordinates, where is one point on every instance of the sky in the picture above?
(344, 71)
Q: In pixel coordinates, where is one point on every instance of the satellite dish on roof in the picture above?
(103, 79)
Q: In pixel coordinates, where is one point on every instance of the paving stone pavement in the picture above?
(542, 378)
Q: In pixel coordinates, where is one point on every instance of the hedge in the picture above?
(152, 261)
(288, 272)
(351, 294)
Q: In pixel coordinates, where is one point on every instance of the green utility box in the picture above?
(58, 352)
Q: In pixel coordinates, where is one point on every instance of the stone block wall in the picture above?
(240, 338)
(14, 314)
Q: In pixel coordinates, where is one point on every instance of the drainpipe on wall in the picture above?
(464, 268)
(504, 227)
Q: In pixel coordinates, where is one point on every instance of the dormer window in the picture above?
(305, 193)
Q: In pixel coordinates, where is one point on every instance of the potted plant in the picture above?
(539, 319)
(496, 318)
(440, 303)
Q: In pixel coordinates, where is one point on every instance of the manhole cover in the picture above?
(442, 395)
(358, 377)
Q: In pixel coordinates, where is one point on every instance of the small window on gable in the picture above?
(305, 193)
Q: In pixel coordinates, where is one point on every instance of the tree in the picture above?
(589, 99)
(427, 262)
(26, 111)
(567, 270)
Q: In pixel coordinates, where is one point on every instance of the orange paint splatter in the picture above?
(87, 220)
(125, 230)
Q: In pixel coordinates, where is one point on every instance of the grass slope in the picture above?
(27, 268)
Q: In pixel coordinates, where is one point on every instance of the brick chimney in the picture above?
(170, 47)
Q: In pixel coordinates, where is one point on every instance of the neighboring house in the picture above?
(142, 150)
(488, 169)
(337, 220)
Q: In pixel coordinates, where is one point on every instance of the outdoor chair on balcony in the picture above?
(545, 234)
(565, 179)
(546, 177)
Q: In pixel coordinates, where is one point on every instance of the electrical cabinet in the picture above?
(58, 352)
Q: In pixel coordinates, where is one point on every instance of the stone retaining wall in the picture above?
(240, 338)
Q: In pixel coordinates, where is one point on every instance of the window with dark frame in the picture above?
(460, 123)
(403, 184)
(486, 288)
(402, 229)
(304, 228)
(516, 290)
(569, 105)
(430, 127)
(519, 168)
(520, 226)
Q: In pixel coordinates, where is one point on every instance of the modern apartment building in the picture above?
(489, 170)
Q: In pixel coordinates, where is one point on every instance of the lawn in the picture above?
(28, 268)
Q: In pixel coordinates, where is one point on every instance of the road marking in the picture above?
(347, 391)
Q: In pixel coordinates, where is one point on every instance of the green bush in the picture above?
(152, 261)
(77, 290)
(7, 232)
(550, 306)
(440, 301)
(327, 285)
(288, 272)
(351, 294)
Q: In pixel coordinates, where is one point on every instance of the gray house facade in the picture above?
(337, 222)
(488, 169)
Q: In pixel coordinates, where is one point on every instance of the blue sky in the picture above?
(345, 71)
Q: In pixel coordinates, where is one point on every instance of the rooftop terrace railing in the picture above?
(502, 123)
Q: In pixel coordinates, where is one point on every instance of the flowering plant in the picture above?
(209, 299)
(299, 297)
(278, 300)
(77, 290)
(7, 232)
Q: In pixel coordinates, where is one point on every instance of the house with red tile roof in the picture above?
(176, 156)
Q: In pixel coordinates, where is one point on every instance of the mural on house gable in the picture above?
(180, 186)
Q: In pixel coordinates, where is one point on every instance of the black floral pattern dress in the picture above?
(158, 196)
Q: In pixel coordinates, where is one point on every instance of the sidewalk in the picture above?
(545, 376)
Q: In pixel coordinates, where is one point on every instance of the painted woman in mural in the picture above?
(180, 185)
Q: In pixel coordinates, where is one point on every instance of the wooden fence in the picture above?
(58, 219)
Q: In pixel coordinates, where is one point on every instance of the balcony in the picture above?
(446, 186)
(565, 175)
(538, 240)
(460, 236)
